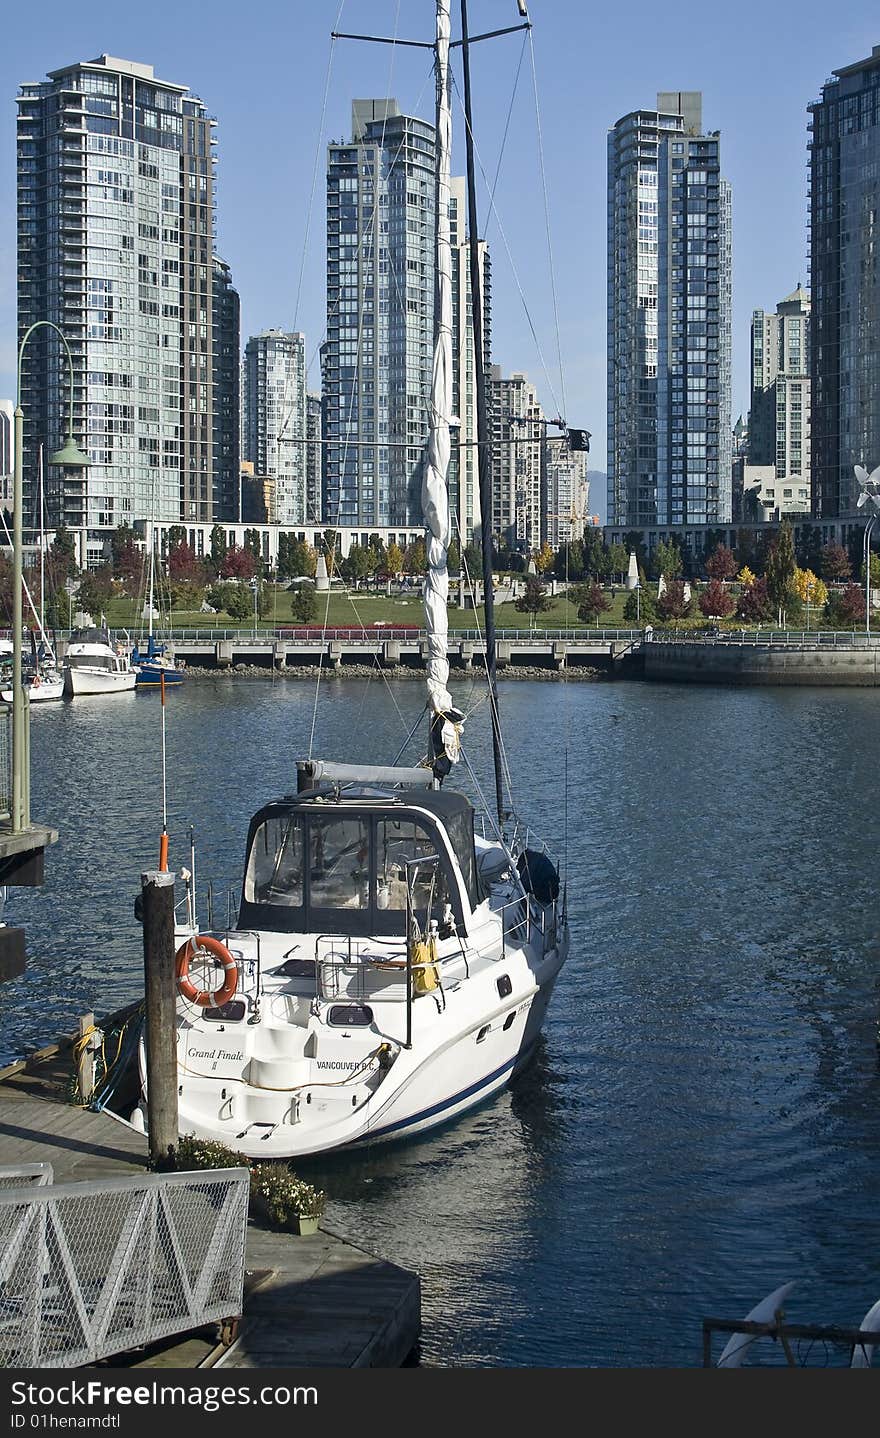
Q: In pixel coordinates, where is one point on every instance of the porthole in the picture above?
(483, 1032)
(509, 1020)
(504, 986)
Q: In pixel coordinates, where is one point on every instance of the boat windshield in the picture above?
(90, 661)
(320, 867)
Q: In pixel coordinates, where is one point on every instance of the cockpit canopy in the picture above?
(342, 864)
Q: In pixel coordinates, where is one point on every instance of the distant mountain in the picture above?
(598, 493)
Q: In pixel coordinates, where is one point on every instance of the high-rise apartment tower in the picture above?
(669, 318)
(115, 241)
(845, 283)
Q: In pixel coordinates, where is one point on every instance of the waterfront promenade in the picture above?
(758, 656)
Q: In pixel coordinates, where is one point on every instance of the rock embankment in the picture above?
(397, 671)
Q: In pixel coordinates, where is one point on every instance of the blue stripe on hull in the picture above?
(448, 1103)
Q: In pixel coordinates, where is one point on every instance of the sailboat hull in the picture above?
(83, 680)
(279, 1089)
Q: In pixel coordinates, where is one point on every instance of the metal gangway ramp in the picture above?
(88, 1270)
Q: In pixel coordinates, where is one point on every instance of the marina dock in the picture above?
(310, 1301)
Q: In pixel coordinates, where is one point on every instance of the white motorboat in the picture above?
(389, 968)
(93, 666)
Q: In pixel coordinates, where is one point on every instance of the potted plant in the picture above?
(284, 1200)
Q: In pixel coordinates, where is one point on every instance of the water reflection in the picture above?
(702, 1120)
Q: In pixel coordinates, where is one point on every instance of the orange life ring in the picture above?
(202, 943)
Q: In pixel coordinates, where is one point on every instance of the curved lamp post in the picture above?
(870, 495)
(73, 457)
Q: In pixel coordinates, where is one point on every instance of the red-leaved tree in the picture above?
(834, 561)
(237, 563)
(715, 602)
(183, 565)
(672, 603)
(721, 563)
(755, 606)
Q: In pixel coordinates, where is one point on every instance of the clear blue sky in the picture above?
(261, 70)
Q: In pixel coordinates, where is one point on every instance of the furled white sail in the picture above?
(435, 493)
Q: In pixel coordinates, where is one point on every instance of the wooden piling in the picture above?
(85, 1061)
(160, 989)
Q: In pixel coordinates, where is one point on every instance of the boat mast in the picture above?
(435, 492)
(150, 600)
(483, 460)
(42, 548)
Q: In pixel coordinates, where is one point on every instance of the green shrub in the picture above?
(276, 1194)
(280, 1197)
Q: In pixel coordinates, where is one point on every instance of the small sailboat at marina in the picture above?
(392, 960)
(153, 666)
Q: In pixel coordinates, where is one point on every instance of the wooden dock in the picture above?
(311, 1301)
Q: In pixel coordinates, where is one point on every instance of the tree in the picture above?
(640, 607)
(875, 571)
(755, 606)
(667, 561)
(238, 600)
(544, 558)
(62, 554)
(535, 599)
(184, 567)
(672, 603)
(568, 561)
(127, 558)
(330, 545)
(394, 559)
(95, 589)
(721, 563)
(304, 604)
(779, 572)
(415, 558)
(834, 562)
(219, 544)
(176, 535)
(360, 564)
(846, 608)
(715, 602)
(453, 557)
(746, 577)
(809, 589)
(809, 546)
(618, 556)
(590, 601)
(254, 545)
(237, 563)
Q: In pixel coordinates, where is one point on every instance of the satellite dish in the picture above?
(864, 1352)
(763, 1312)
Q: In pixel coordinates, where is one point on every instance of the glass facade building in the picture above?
(845, 284)
(115, 244)
(275, 419)
(227, 394)
(669, 319)
(376, 362)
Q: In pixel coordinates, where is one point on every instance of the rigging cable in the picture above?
(547, 220)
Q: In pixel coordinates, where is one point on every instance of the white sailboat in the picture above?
(41, 674)
(154, 668)
(389, 968)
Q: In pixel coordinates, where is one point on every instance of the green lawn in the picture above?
(368, 609)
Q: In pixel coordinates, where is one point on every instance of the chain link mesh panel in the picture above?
(92, 1269)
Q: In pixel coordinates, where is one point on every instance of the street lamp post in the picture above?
(867, 548)
(74, 458)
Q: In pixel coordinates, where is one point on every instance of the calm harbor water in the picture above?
(701, 1122)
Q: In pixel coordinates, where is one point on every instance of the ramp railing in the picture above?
(88, 1270)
